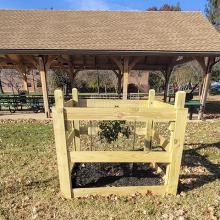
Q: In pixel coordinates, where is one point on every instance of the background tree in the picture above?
(58, 78)
(212, 11)
(166, 7)
(156, 81)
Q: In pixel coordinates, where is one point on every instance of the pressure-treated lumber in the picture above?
(176, 144)
(129, 114)
(205, 88)
(162, 141)
(67, 131)
(163, 105)
(69, 103)
(120, 191)
(125, 78)
(112, 103)
(70, 137)
(63, 157)
(42, 70)
(120, 156)
(76, 122)
(149, 123)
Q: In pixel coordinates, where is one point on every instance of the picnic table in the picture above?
(23, 102)
(193, 106)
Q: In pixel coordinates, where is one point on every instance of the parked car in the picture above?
(215, 89)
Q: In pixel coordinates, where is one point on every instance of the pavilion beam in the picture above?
(202, 62)
(21, 68)
(43, 71)
(183, 60)
(167, 74)
(134, 62)
(205, 89)
(125, 77)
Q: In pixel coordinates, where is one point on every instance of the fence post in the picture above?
(176, 143)
(76, 122)
(149, 123)
(63, 157)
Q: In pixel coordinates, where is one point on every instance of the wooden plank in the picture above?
(70, 138)
(158, 104)
(119, 156)
(162, 141)
(90, 130)
(140, 131)
(111, 103)
(130, 114)
(69, 103)
(76, 123)
(149, 123)
(158, 168)
(63, 157)
(176, 144)
(120, 191)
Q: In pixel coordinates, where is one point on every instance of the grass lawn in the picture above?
(29, 187)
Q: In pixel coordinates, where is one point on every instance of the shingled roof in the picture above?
(107, 31)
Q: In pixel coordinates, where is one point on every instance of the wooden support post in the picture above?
(167, 75)
(205, 88)
(42, 71)
(63, 156)
(149, 123)
(176, 143)
(76, 122)
(125, 77)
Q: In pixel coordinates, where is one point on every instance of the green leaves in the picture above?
(110, 130)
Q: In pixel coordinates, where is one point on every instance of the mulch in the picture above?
(114, 174)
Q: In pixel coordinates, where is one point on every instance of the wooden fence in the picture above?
(66, 117)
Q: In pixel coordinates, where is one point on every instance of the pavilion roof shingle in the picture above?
(107, 31)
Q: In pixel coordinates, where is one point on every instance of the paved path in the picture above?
(23, 116)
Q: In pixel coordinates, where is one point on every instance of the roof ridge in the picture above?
(77, 10)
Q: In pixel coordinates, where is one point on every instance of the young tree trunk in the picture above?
(25, 83)
(119, 83)
(1, 89)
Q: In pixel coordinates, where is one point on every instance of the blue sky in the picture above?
(188, 5)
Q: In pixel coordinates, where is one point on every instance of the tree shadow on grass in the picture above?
(212, 110)
(192, 159)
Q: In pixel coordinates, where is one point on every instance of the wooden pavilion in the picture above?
(120, 41)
